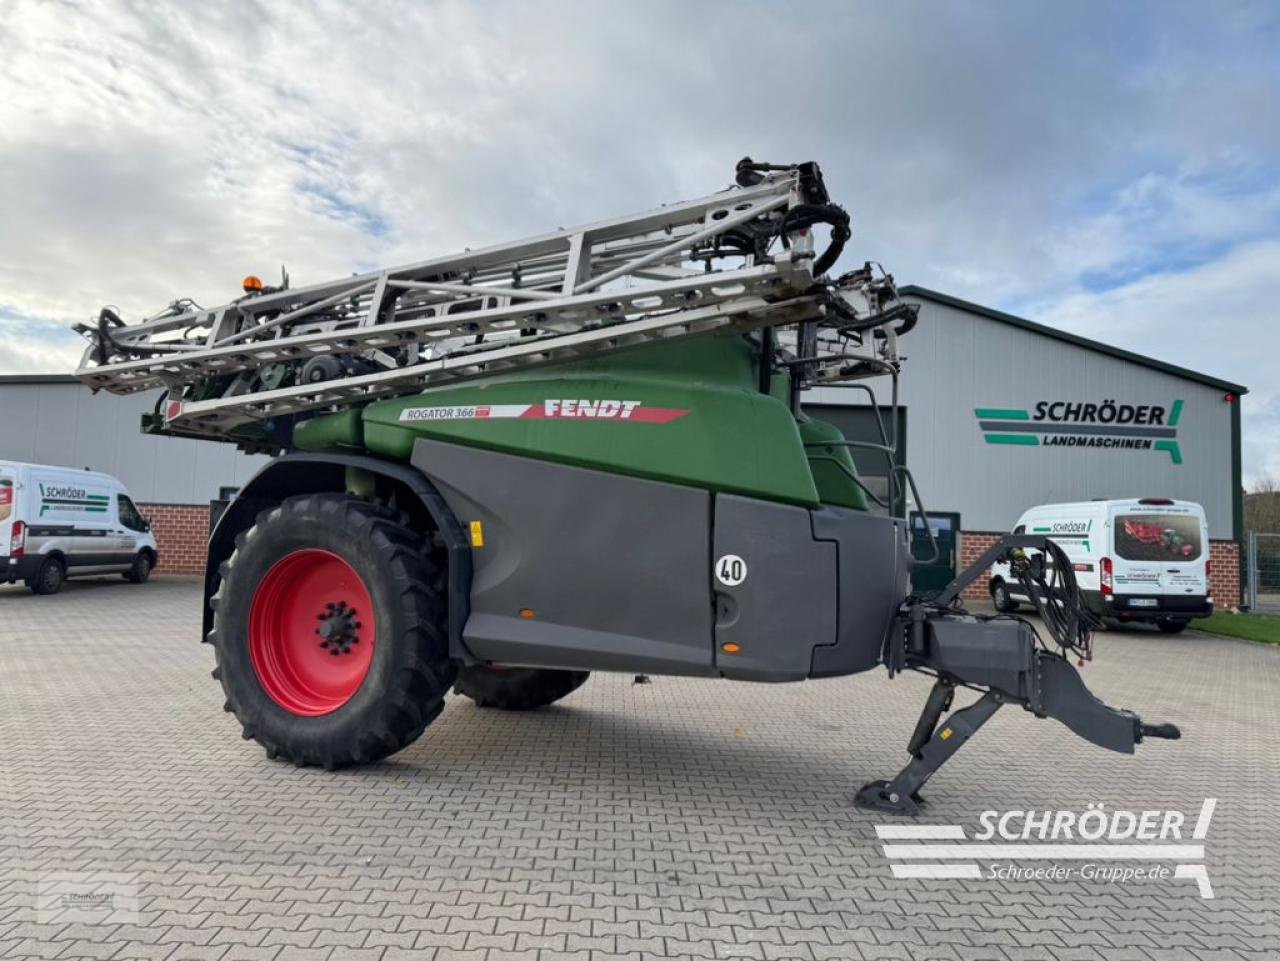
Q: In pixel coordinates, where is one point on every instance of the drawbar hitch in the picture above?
(1001, 657)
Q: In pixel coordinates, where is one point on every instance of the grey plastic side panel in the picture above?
(614, 568)
(873, 577)
(786, 605)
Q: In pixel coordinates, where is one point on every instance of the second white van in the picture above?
(1144, 559)
(59, 522)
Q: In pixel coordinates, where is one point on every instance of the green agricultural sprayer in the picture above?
(503, 469)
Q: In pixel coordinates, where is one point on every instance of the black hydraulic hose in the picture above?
(909, 314)
(107, 318)
(912, 315)
(806, 215)
(1051, 586)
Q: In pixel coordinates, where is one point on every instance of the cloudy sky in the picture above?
(1112, 169)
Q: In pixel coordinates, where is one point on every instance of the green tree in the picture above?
(1262, 506)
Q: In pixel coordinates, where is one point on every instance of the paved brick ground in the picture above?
(677, 819)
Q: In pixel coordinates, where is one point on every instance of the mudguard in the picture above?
(293, 474)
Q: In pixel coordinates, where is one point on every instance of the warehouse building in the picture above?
(54, 419)
(1000, 414)
(996, 414)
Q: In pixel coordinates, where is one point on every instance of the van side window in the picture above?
(1020, 529)
(129, 515)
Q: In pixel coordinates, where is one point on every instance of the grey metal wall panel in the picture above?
(959, 362)
(65, 424)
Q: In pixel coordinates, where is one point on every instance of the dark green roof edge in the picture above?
(911, 290)
(38, 379)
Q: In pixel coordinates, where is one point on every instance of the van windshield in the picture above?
(1158, 537)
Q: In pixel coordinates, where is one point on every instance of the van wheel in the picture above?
(49, 578)
(1172, 627)
(331, 632)
(1001, 598)
(517, 688)
(141, 569)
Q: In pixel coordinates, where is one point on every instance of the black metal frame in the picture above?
(928, 750)
(952, 591)
(901, 480)
(1001, 658)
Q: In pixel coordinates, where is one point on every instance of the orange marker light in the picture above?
(252, 284)
(731, 648)
(527, 614)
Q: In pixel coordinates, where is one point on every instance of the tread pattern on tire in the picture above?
(422, 674)
(39, 582)
(517, 689)
(134, 575)
(1007, 608)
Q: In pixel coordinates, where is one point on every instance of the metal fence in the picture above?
(1262, 570)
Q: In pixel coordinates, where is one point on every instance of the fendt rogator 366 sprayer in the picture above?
(502, 469)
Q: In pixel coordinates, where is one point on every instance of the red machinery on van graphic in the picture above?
(1158, 535)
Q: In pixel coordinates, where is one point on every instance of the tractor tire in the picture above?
(49, 578)
(330, 631)
(1000, 597)
(517, 688)
(1171, 626)
(141, 569)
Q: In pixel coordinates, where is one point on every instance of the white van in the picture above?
(1134, 560)
(57, 522)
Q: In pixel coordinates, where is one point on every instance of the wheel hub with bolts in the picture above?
(339, 628)
(312, 631)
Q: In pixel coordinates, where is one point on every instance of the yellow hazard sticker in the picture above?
(477, 534)
(945, 733)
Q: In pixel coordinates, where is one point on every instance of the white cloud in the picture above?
(35, 355)
(1158, 218)
(1221, 318)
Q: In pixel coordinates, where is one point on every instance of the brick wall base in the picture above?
(973, 544)
(1224, 578)
(181, 532)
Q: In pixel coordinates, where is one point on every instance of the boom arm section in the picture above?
(740, 259)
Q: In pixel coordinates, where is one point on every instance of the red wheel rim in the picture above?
(311, 632)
